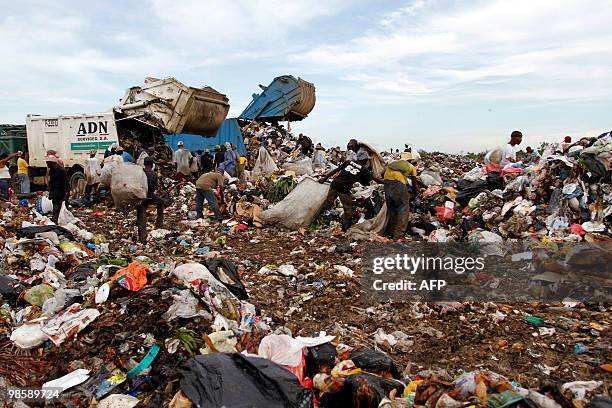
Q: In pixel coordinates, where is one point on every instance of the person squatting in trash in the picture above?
(397, 195)
(59, 186)
(152, 198)
(348, 173)
(205, 190)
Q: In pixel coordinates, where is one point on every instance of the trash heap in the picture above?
(276, 312)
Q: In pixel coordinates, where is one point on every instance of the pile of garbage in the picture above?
(269, 301)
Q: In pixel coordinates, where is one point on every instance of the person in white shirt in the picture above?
(92, 176)
(508, 151)
(182, 158)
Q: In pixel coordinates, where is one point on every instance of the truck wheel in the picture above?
(77, 187)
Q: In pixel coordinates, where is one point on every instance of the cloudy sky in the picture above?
(441, 74)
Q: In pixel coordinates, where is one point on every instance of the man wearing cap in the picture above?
(348, 173)
(181, 159)
(152, 198)
(205, 190)
(59, 187)
(397, 196)
(92, 176)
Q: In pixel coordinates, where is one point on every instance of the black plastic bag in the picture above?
(83, 271)
(600, 401)
(319, 356)
(374, 361)
(10, 288)
(30, 232)
(470, 191)
(225, 271)
(234, 380)
(361, 391)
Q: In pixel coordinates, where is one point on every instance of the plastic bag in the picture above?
(226, 272)
(128, 185)
(217, 296)
(300, 167)
(28, 336)
(361, 390)
(37, 295)
(246, 381)
(281, 349)
(44, 205)
(119, 401)
(71, 322)
(477, 173)
(299, 208)
(431, 177)
(9, 288)
(185, 306)
(374, 361)
(133, 278)
(446, 212)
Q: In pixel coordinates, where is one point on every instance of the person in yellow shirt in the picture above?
(22, 175)
(397, 196)
(240, 166)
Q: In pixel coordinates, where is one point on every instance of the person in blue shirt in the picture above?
(127, 158)
(230, 160)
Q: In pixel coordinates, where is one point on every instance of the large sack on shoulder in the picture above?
(106, 173)
(299, 208)
(300, 167)
(128, 185)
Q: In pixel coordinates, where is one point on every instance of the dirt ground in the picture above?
(467, 336)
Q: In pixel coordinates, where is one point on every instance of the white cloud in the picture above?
(222, 24)
(539, 50)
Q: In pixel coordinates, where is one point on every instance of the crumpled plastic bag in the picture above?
(185, 306)
(29, 335)
(71, 322)
(281, 349)
(133, 278)
(37, 295)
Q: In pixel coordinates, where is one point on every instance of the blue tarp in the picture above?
(229, 132)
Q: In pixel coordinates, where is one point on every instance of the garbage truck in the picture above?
(286, 99)
(145, 113)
